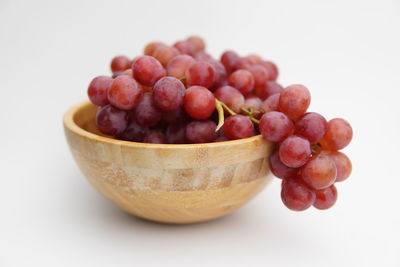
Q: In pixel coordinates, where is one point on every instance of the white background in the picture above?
(346, 52)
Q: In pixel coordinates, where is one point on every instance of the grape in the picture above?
(128, 73)
(295, 195)
(294, 101)
(253, 103)
(325, 198)
(201, 131)
(110, 120)
(120, 63)
(311, 126)
(231, 97)
(242, 80)
(168, 93)
(319, 172)
(342, 163)
(151, 47)
(230, 61)
(176, 134)
(254, 59)
(260, 74)
(147, 70)
(155, 137)
(199, 102)
(271, 68)
(220, 75)
(124, 93)
(184, 47)
(275, 126)
(338, 135)
(175, 116)
(268, 89)
(164, 54)
(97, 90)
(238, 127)
(133, 132)
(244, 63)
(146, 112)
(279, 169)
(271, 103)
(201, 73)
(295, 151)
(197, 43)
(221, 139)
(178, 65)
(203, 56)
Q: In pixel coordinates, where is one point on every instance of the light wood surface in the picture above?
(168, 183)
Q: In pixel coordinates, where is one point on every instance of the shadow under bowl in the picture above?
(168, 183)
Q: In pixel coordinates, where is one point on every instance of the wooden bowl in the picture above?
(168, 183)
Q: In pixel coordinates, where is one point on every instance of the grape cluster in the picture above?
(180, 94)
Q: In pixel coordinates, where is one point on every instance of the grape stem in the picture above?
(221, 117)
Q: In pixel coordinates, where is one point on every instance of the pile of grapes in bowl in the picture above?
(180, 94)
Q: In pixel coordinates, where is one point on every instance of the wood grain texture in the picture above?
(168, 183)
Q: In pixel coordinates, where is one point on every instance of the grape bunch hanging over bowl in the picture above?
(180, 94)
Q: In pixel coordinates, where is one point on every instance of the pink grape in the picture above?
(319, 172)
(279, 169)
(295, 195)
(197, 43)
(201, 73)
(325, 198)
(147, 70)
(164, 54)
(176, 134)
(268, 89)
(271, 68)
(199, 102)
(111, 121)
(311, 126)
(151, 47)
(294, 101)
(201, 131)
(155, 137)
(295, 151)
(238, 127)
(146, 112)
(168, 93)
(260, 74)
(342, 163)
(97, 90)
(230, 61)
(271, 103)
(120, 63)
(231, 97)
(124, 93)
(242, 80)
(338, 135)
(178, 65)
(133, 132)
(275, 126)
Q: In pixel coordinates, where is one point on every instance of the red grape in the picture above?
(221, 139)
(275, 126)
(295, 195)
(279, 169)
(184, 47)
(295, 151)
(155, 137)
(147, 70)
(111, 121)
(97, 90)
(164, 54)
(260, 74)
(254, 59)
(294, 101)
(245, 63)
(342, 163)
(271, 103)
(199, 102)
(146, 112)
(201, 131)
(231, 97)
(268, 89)
(325, 198)
(203, 56)
(253, 103)
(151, 47)
(319, 172)
(201, 73)
(175, 116)
(338, 135)
(221, 77)
(242, 80)
(124, 93)
(311, 126)
(230, 60)
(178, 65)
(133, 132)
(120, 63)
(271, 68)
(197, 43)
(238, 127)
(176, 134)
(168, 93)
(128, 73)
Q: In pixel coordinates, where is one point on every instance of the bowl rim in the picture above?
(70, 124)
